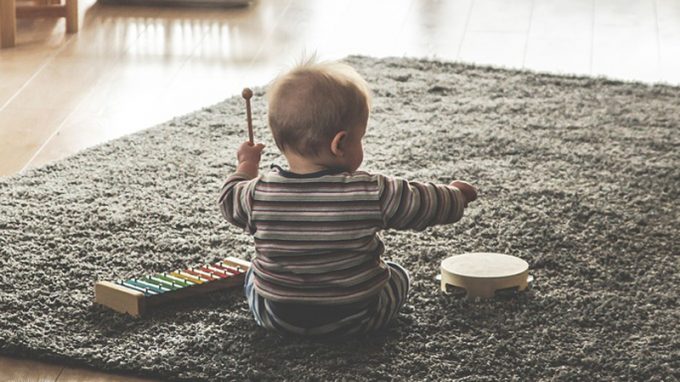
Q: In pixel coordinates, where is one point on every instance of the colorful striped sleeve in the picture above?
(236, 199)
(416, 205)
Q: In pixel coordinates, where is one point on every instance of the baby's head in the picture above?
(318, 113)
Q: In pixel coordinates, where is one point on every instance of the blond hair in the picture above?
(314, 101)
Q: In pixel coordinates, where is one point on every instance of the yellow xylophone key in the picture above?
(194, 275)
(180, 281)
(184, 276)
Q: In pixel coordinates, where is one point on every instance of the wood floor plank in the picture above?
(560, 36)
(125, 56)
(22, 370)
(23, 131)
(70, 374)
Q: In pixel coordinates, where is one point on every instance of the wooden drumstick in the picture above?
(247, 94)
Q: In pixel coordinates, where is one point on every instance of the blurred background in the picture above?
(130, 67)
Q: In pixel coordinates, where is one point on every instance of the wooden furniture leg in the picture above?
(71, 16)
(9, 12)
(8, 23)
(69, 10)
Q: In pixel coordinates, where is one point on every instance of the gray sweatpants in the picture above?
(373, 316)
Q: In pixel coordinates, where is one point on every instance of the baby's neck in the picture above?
(301, 165)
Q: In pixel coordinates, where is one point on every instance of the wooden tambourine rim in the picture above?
(516, 260)
(486, 286)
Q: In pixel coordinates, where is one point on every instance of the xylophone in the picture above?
(137, 295)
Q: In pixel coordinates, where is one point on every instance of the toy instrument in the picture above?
(136, 296)
(484, 275)
(247, 94)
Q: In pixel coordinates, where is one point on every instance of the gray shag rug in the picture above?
(579, 176)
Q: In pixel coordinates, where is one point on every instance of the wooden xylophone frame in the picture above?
(136, 296)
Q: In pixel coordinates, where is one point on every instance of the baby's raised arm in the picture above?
(235, 195)
(417, 205)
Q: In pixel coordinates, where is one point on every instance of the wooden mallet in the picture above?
(248, 94)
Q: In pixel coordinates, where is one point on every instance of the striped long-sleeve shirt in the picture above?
(316, 235)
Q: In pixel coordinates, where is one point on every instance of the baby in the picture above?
(318, 269)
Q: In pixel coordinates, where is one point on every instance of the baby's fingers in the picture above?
(468, 190)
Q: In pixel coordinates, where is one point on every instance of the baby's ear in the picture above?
(338, 144)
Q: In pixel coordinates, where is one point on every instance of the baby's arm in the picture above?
(416, 205)
(236, 193)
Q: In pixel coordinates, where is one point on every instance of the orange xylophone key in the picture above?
(231, 270)
(214, 272)
(199, 275)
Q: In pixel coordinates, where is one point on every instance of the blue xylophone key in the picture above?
(151, 286)
(146, 288)
(138, 288)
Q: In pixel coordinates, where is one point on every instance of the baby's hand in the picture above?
(468, 190)
(249, 153)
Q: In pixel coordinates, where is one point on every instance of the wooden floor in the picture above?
(133, 67)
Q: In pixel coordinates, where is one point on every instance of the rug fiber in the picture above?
(579, 176)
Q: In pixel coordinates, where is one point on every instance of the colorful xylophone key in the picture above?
(137, 295)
